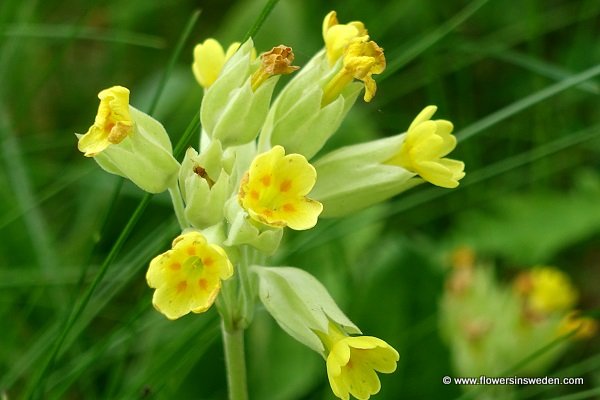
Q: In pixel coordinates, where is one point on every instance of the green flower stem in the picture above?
(178, 205)
(233, 345)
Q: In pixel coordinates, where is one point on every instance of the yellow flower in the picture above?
(338, 36)
(188, 277)
(209, 59)
(112, 124)
(277, 61)
(362, 59)
(550, 290)
(585, 327)
(425, 145)
(353, 360)
(274, 190)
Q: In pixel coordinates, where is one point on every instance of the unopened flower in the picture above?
(362, 59)
(188, 277)
(209, 58)
(352, 362)
(274, 190)
(426, 144)
(338, 36)
(113, 122)
(277, 61)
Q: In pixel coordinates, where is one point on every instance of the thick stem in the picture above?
(233, 344)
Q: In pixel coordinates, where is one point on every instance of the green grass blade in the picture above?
(526, 102)
(407, 55)
(174, 57)
(260, 20)
(70, 32)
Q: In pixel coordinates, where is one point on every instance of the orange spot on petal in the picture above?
(175, 266)
(254, 194)
(191, 250)
(285, 185)
(266, 180)
(207, 261)
(203, 284)
(268, 213)
(287, 207)
(181, 286)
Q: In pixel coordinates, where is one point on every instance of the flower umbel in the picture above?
(353, 360)
(274, 190)
(277, 61)
(362, 59)
(112, 124)
(209, 58)
(424, 148)
(188, 277)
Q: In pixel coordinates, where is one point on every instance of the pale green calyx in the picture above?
(143, 155)
(204, 186)
(232, 111)
(355, 177)
(300, 304)
(298, 120)
(244, 230)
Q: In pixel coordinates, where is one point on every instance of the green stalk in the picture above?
(233, 345)
(178, 205)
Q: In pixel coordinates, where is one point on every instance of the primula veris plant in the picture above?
(258, 171)
(490, 326)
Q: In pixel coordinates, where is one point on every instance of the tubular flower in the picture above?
(550, 290)
(353, 360)
(209, 58)
(112, 124)
(274, 190)
(425, 145)
(362, 59)
(188, 277)
(277, 61)
(338, 36)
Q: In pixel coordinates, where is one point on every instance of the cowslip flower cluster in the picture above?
(491, 327)
(253, 175)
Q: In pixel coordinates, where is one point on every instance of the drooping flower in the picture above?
(277, 61)
(362, 59)
(274, 190)
(426, 144)
(209, 58)
(188, 277)
(352, 362)
(338, 36)
(113, 122)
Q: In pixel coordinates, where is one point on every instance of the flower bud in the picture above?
(204, 186)
(235, 106)
(209, 59)
(127, 142)
(298, 120)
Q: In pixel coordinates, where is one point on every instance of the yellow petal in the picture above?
(274, 190)
(209, 59)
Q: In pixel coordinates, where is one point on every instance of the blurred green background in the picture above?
(507, 73)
